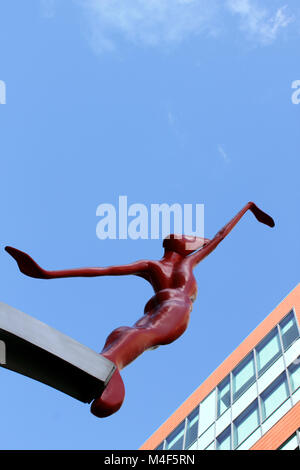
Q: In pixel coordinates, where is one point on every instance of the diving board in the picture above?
(36, 350)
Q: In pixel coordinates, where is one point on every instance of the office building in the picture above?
(252, 400)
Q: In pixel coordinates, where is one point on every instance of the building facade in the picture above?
(252, 400)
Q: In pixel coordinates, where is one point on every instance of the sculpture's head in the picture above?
(184, 244)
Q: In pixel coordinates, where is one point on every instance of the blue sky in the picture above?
(164, 101)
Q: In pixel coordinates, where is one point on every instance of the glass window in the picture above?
(207, 437)
(294, 371)
(192, 428)
(175, 439)
(290, 444)
(267, 351)
(207, 412)
(160, 447)
(224, 440)
(211, 446)
(243, 376)
(274, 396)
(289, 330)
(223, 395)
(246, 423)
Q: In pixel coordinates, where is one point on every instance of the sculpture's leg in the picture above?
(125, 344)
(122, 346)
(111, 399)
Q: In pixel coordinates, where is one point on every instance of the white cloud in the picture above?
(148, 22)
(223, 153)
(156, 22)
(258, 22)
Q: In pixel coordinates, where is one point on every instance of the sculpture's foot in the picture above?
(111, 399)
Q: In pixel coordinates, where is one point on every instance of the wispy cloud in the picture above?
(150, 22)
(258, 22)
(223, 153)
(157, 22)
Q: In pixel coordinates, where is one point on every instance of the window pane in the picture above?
(267, 351)
(207, 412)
(211, 446)
(289, 330)
(223, 396)
(192, 428)
(224, 440)
(207, 437)
(246, 423)
(175, 439)
(294, 371)
(243, 376)
(274, 395)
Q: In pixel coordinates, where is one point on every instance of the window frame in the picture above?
(226, 430)
(186, 427)
(181, 424)
(260, 373)
(253, 405)
(273, 385)
(247, 384)
(227, 378)
(291, 312)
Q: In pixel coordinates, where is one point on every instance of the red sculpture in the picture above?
(166, 314)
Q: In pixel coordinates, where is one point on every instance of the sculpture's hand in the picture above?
(26, 264)
(210, 246)
(261, 216)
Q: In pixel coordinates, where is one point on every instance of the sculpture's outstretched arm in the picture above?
(210, 246)
(29, 267)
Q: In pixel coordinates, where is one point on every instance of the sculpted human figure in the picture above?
(166, 314)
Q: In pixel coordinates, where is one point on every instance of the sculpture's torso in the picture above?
(171, 282)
